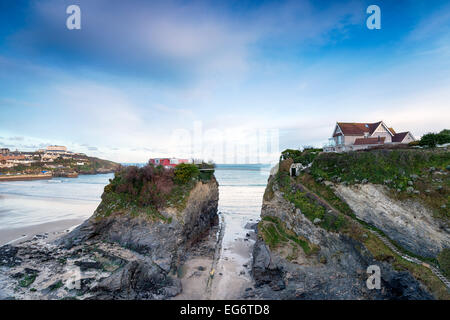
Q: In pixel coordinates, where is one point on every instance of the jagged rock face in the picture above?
(137, 280)
(407, 222)
(200, 212)
(145, 253)
(161, 240)
(336, 271)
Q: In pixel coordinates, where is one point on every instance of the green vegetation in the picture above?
(55, 286)
(268, 193)
(304, 157)
(377, 166)
(382, 253)
(325, 192)
(361, 165)
(27, 280)
(444, 261)
(308, 206)
(433, 139)
(274, 233)
(419, 174)
(146, 190)
(185, 172)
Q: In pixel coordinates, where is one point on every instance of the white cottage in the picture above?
(348, 136)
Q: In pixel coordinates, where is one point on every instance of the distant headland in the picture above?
(53, 161)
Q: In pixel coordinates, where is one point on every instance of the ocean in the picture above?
(29, 203)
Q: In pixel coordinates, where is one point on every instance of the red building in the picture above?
(168, 162)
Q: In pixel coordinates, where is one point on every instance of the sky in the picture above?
(228, 81)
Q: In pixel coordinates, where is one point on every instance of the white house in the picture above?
(348, 136)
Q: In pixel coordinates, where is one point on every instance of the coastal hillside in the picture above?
(94, 165)
(340, 213)
(133, 247)
(61, 166)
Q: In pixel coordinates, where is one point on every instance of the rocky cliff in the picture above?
(316, 238)
(407, 222)
(124, 251)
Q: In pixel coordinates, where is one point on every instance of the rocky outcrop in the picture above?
(121, 256)
(336, 270)
(164, 242)
(408, 222)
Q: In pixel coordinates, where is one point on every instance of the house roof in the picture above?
(398, 137)
(11, 157)
(361, 141)
(357, 129)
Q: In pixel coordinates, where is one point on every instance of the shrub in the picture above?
(304, 157)
(444, 261)
(433, 139)
(185, 172)
(146, 186)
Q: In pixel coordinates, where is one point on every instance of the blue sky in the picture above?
(141, 76)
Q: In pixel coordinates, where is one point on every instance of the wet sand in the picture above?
(232, 275)
(53, 229)
(195, 279)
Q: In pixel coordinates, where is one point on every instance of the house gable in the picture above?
(403, 137)
(381, 128)
(337, 131)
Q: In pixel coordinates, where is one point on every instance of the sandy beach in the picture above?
(52, 229)
(47, 207)
(26, 177)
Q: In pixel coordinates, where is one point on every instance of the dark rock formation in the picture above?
(337, 270)
(137, 280)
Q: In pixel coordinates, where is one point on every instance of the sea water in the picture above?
(28, 203)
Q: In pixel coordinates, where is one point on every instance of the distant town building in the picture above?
(168, 162)
(8, 161)
(348, 136)
(4, 151)
(45, 156)
(61, 149)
